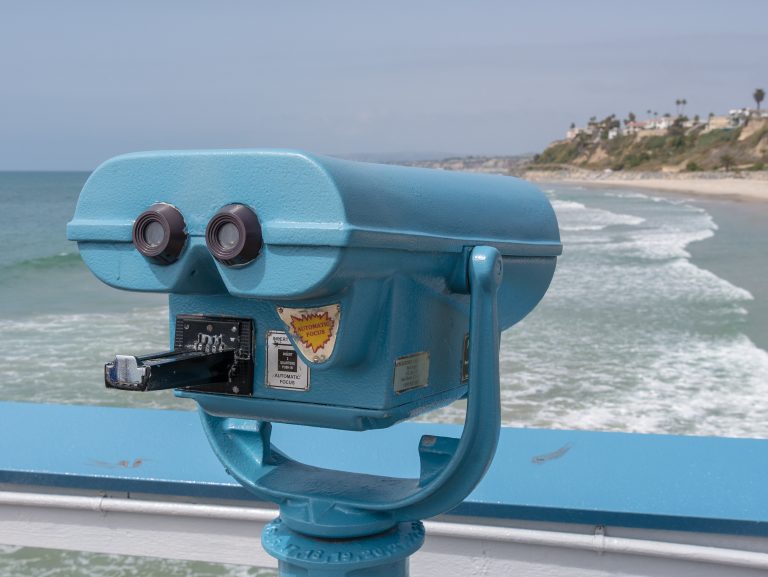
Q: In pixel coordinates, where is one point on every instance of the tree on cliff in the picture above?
(758, 96)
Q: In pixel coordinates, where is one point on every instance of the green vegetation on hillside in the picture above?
(684, 146)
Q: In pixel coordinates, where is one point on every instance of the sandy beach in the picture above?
(744, 185)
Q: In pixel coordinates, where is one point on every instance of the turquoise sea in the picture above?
(656, 321)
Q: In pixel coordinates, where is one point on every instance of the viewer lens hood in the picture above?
(159, 233)
(234, 235)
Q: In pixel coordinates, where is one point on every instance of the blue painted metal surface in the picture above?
(709, 484)
(384, 243)
(377, 556)
(403, 264)
(327, 503)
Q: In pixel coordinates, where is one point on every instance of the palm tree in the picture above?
(727, 160)
(758, 96)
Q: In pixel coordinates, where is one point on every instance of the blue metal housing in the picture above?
(388, 244)
(407, 276)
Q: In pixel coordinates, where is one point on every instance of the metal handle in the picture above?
(168, 370)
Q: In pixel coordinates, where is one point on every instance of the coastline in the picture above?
(735, 186)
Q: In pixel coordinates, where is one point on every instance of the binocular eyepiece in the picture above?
(233, 234)
(160, 233)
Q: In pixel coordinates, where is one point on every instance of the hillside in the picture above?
(511, 165)
(678, 148)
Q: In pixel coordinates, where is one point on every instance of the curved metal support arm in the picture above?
(476, 447)
(451, 468)
(243, 447)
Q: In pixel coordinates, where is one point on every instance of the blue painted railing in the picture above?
(707, 484)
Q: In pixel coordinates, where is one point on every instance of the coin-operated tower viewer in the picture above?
(317, 291)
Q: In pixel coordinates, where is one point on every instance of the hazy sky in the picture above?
(81, 81)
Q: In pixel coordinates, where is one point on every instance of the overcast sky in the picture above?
(81, 81)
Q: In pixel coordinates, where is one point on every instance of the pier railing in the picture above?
(143, 482)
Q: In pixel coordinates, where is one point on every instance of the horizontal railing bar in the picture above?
(436, 530)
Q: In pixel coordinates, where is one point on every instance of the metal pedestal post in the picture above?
(382, 555)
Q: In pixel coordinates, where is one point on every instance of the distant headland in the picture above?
(716, 155)
(737, 140)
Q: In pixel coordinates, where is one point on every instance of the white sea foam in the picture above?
(633, 336)
(682, 390)
(575, 217)
(57, 358)
(627, 194)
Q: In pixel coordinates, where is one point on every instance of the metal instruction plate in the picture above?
(285, 369)
(411, 372)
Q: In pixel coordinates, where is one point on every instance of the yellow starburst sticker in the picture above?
(313, 330)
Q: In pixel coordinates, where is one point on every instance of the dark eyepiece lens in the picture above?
(228, 236)
(159, 233)
(234, 236)
(154, 233)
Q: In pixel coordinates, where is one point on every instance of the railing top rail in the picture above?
(709, 484)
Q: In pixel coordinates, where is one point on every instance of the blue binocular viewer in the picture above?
(316, 291)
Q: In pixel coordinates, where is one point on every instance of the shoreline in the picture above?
(734, 186)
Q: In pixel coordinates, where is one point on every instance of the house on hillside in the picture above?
(661, 123)
(634, 127)
(573, 133)
(576, 131)
(739, 117)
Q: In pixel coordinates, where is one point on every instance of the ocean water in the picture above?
(654, 323)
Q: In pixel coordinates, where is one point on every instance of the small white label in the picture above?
(285, 369)
(411, 372)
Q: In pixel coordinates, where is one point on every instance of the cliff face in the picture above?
(514, 165)
(672, 150)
